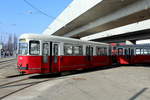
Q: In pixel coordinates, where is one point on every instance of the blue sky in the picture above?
(18, 17)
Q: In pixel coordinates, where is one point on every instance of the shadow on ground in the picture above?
(40, 76)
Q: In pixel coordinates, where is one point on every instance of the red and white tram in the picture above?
(53, 54)
(133, 54)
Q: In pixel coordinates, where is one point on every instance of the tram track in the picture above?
(13, 82)
(20, 85)
(8, 68)
(5, 61)
(2, 66)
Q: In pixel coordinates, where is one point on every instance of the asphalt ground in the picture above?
(8, 67)
(113, 83)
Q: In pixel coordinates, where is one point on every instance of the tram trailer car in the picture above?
(133, 54)
(54, 54)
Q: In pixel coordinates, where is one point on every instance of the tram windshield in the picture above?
(23, 49)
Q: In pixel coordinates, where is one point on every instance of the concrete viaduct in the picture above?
(87, 17)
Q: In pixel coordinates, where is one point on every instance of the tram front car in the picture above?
(29, 57)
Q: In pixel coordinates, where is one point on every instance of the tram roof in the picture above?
(57, 39)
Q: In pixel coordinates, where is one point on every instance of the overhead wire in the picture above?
(39, 10)
(42, 12)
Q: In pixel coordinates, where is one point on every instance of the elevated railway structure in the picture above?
(82, 18)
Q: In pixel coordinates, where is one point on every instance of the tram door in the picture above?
(124, 55)
(89, 54)
(113, 52)
(55, 61)
(127, 55)
(45, 56)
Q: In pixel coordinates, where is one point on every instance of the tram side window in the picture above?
(105, 51)
(125, 52)
(132, 51)
(45, 49)
(138, 51)
(148, 50)
(98, 51)
(145, 51)
(91, 51)
(34, 47)
(102, 51)
(55, 49)
(78, 50)
(120, 51)
(87, 51)
(68, 49)
(142, 51)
